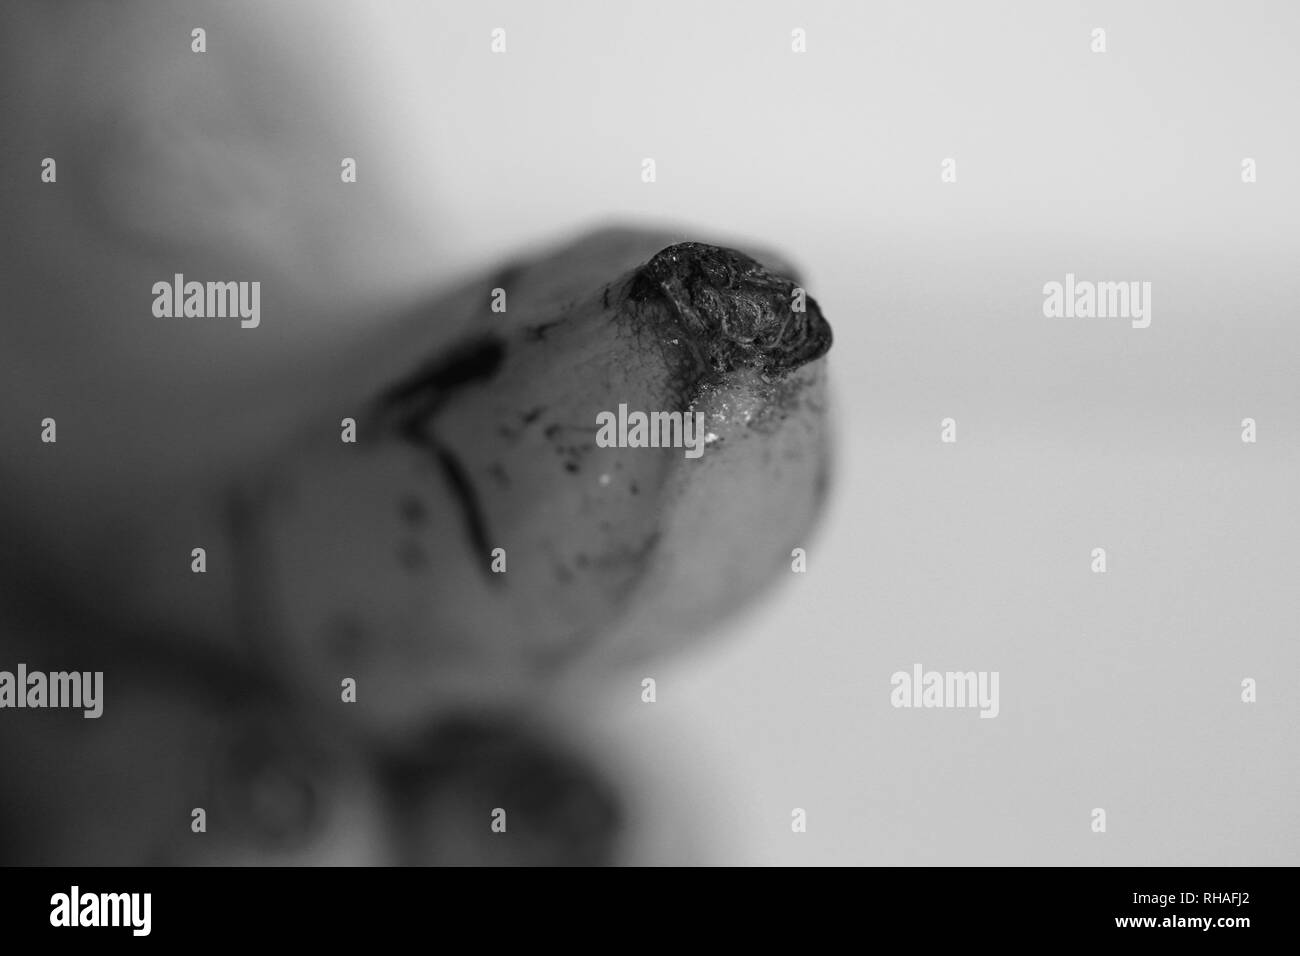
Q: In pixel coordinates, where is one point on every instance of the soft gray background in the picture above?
(1118, 691)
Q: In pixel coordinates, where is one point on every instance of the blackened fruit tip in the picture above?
(734, 310)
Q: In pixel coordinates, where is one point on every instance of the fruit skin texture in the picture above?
(375, 558)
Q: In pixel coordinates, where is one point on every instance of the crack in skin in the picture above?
(413, 403)
(471, 508)
(417, 398)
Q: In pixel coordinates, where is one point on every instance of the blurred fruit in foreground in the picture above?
(493, 792)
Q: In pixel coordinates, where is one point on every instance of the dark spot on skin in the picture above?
(731, 311)
(625, 557)
(507, 432)
(634, 489)
(411, 555)
(412, 510)
(532, 415)
(571, 466)
(574, 451)
(563, 574)
(498, 473)
(538, 333)
(552, 431)
(605, 298)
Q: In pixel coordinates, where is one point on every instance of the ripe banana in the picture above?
(475, 536)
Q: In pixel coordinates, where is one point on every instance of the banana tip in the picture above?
(734, 311)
